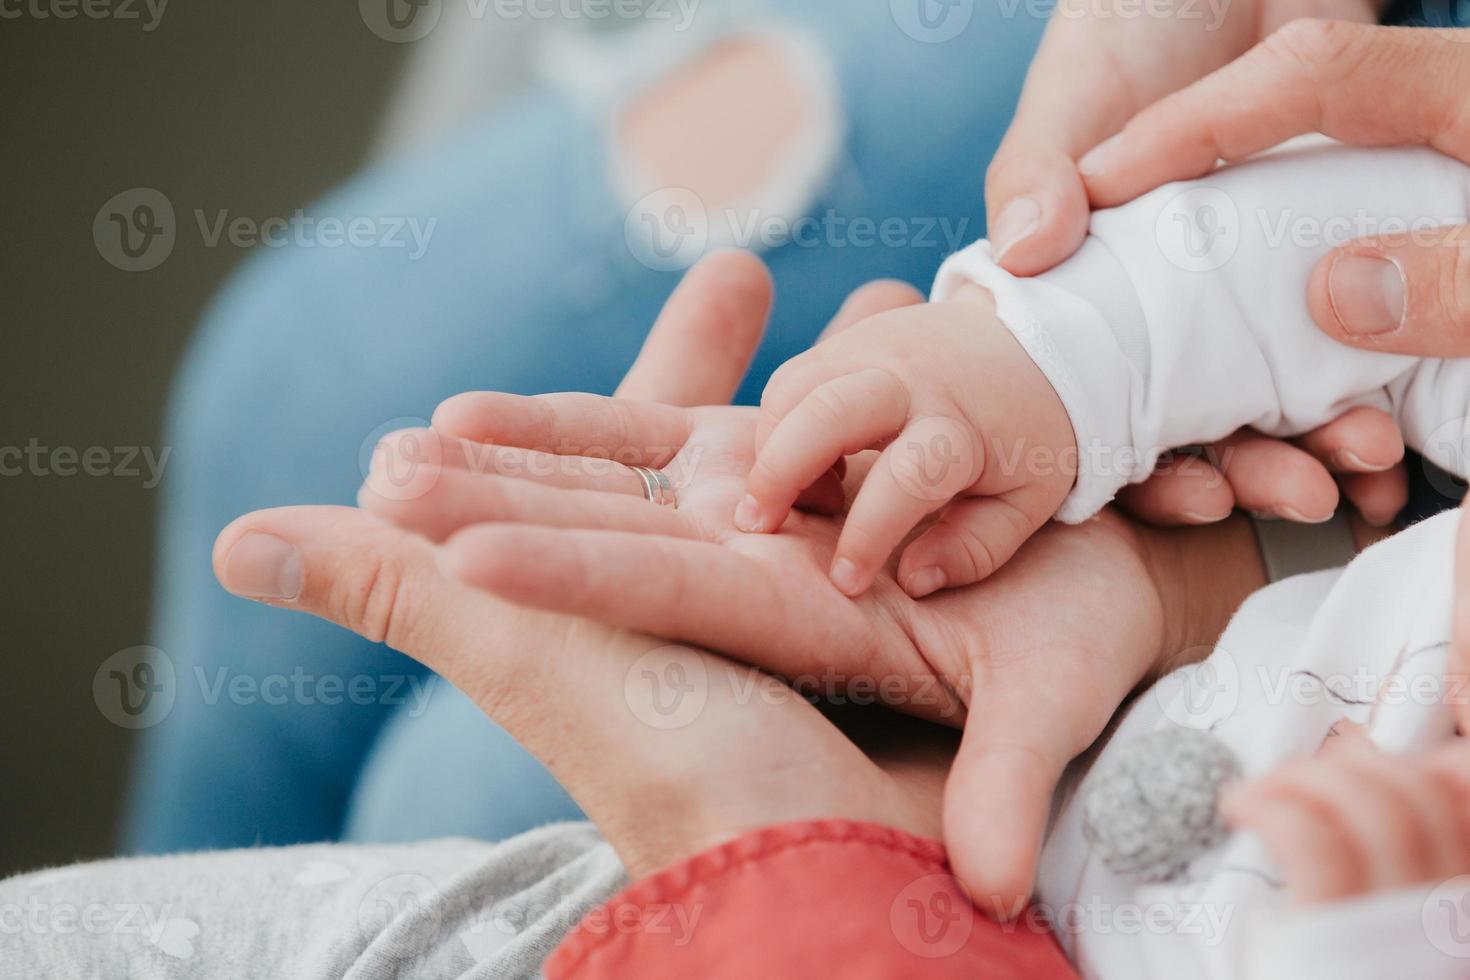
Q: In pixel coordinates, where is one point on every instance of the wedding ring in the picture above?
(656, 487)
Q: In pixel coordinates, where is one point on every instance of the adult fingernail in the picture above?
(845, 576)
(1100, 158)
(1367, 294)
(923, 582)
(1017, 221)
(1199, 517)
(262, 566)
(1292, 514)
(748, 514)
(1348, 460)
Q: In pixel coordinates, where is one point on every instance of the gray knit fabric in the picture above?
(438, 909)
(1154, 809)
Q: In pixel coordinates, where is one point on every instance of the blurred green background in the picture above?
(253, 107)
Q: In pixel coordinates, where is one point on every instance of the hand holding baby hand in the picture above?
(966, 423)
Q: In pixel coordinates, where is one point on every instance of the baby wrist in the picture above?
(1065, 322)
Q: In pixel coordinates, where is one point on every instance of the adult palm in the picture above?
(1032, 662)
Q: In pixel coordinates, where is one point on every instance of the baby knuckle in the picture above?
(977, 552)
(829, 407)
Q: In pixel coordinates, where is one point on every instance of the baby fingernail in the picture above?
(1017, 222)
(748, 514)
(1100, 158)
(1367, 294)
(262, 566)
(923, 582)
(845, 577)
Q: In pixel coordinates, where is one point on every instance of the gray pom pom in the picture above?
(1153, 810)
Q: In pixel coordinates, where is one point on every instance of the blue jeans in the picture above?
(287, 729)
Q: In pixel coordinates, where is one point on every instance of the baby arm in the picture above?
(1182, 318)
(1184, 315)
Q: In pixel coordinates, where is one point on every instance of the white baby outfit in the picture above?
(1182, 318)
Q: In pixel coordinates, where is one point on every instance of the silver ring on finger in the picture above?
(657, 488)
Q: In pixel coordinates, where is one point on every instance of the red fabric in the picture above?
(830, 898)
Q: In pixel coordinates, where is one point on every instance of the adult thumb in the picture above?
(1398, 294)
(996, 805)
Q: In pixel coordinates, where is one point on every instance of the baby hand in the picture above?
(964, 419)
(1353, 820)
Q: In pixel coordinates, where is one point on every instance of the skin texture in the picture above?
(1092, 74)
(987, 657)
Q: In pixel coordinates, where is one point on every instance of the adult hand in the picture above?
(1033, 661)
(1095, 69)
(1372, 86)
(738, 752)
(1092, 74)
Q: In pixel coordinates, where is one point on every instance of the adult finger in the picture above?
(458, 498)
(1364, 447)
(693, 591)
(1377, 497)
(1361, 440)
(1397, 295)
(360, 572)
(701, 345)
(408, 464)
(1079, 90)
(1182, 490)
(996, 804)
(1269, 476)
(1361, 84)
(568, 423)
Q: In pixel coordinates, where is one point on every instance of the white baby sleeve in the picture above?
(1184, 315)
